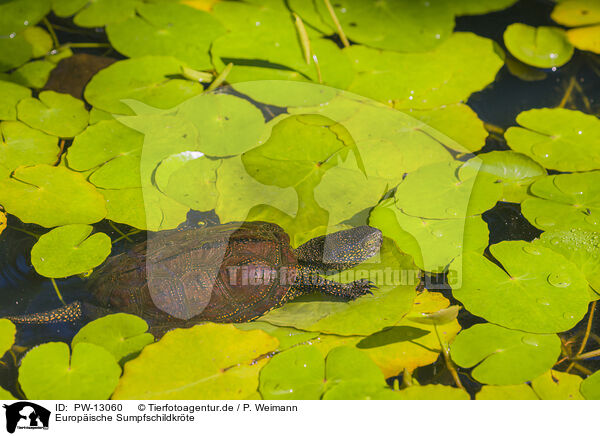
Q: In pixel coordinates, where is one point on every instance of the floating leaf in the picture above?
(536, 290)
(561, 139)
(219, 363)
(145, 79)
(11, 94)
(585, 38)
(51, 372)
(295, 374)
(590, 387)
(7, 335)
(54, 113)
(287, 336)
(395, 276)
(169, 29)
(476, 7)
(579, 246)
(401, 25)
(79, 252)
(227, 125)
(555, 385)
(510, 392)
(14, 51)
(565, 201)
(432, 392)
(33, 74)
(95, 13)
(461, 65)
(16, 15)
(543, 47)
(2, 221)
(5, 395)
(516, 172)
(502, 356)
(457, 121)
(60, 197)
(433, 243)
(447, 190)
(22, 145)
(121, 334)
(40, 40)
(576, 12)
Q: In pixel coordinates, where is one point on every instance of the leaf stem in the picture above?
(448, 360)
(304, 39)
(86, 45)
(27, 232)
(337, 24)
(55, 42)
(135, 232)
(57, 291)
(220, 78)
(567, 95)
(116, 229)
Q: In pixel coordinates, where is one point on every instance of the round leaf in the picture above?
(54, 113)
(50, 372)
(69, 250)
(11, 95)
(543, 47)
(502, 356)
(22, 145)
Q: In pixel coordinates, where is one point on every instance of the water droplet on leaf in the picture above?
(559, 279)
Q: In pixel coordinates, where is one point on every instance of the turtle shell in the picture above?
(226, 273)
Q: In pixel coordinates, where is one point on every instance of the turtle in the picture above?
(226, 273)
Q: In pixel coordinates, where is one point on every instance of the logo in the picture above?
(26, 415)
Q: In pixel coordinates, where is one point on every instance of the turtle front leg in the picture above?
(309, 281)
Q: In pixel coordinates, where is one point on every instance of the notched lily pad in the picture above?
(11, 95)
(22, 145)
(54, 113)
(502, 356)
(69, 250)
(50, 372)
(543, 47)
(121, 334)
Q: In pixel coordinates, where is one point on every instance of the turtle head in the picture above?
(341, 250)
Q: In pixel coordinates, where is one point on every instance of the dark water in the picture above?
(23, 291)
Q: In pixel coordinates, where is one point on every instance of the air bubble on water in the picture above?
(542, 150)
(530, 249)
(553, 55)
(567, 315)
(545, 221)
(12, 35)
(530, 340)
(559, 280)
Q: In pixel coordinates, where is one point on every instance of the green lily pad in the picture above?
(125, 206)
(565, 201)
(16, 15)
(585, 38)
(101, 143)
(5, 395)
(79, 252)
(576, 12)
(401, 25)
(54, 113)
(40, 40)
(14, 51)
(537, 290)
(169, 29)
(51, 372)
(561, 139)
(457, 121)
(301, 373)
(2, 221)
(510, 392)
(433, 243)
(227, 125)
(581, 247)
(432, 392)
(60, 196)
(515, 171)
(22, 145)
(590, 387)
(220, 362)
(502, 356)
(295, 374)
(395, 276)
(11, 94)
(190, 182)
(95, 13)
(287, 336)
(121, 334)
(543, 47)
(263, 44)
(554, 385)
(477, 7)
(145, 79)
(7, 335)
(449, 74)
(447, 190)
(33, 74)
